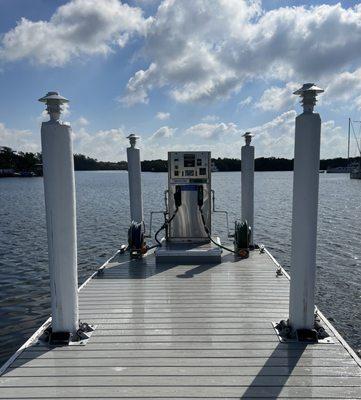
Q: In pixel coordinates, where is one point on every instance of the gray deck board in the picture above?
(184, 362)
(346, 370)
(171, 391)
(179, 380)
(183, 331)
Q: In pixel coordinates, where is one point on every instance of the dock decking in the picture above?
(185, 331)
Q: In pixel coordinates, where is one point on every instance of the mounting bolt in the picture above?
(308, 93)
(54, 104)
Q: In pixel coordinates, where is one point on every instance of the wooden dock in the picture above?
(186, 331)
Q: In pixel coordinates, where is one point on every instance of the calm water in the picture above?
(102, 206)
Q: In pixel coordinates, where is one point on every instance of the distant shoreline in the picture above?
(25, 163)
(151, 172)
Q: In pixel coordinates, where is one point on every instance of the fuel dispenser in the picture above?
(188, 227)
(189, 197)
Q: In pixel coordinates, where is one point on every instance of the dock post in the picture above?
(59, 190)
(304, 214)
(135, 181)
(247, 179)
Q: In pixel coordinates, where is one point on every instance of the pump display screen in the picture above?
(189, 172)
(189, 160)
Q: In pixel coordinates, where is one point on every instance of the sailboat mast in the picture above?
(348, 141)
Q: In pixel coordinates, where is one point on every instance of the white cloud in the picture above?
(245, 102)
(78, 28)
(210, 118)
(82, 121)
(139, 85)
(274, 138)
(104, 145)
(344, 88)
(203, 50)
(162, 115)
(44, 116)
(213, 131)
(278, 98)
(333, 140)
(358, 102)
(19, 140)
(162, 133)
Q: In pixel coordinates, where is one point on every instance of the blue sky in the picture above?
(182, 74)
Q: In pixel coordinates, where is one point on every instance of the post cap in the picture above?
(133, 139)
(248, 137)
(308, 87)
(54, 96)
(308, 92)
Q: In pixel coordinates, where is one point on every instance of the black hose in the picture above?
(209, 235)
(159, 244)
(167, 222)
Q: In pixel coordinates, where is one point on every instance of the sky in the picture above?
(181, 74)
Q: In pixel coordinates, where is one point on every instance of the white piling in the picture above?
(305, 206)
(59, 190)
(247, 176)
(135, 181)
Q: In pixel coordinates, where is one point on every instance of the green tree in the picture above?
(7, 157)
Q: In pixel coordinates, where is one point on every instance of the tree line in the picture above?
(27, 161)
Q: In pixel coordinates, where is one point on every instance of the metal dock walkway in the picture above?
(183, 331)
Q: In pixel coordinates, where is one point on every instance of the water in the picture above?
(102, 212)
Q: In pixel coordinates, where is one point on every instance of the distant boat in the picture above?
(26, 174)
(355, 172)
(6, 172)
(9, 172)
(338, 170)
(38, 169)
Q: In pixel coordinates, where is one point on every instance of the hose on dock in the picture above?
(165, 224)
(136, 242)
(238, 233)
(209, 235)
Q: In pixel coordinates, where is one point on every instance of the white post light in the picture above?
(135, 181)
(247, 176)
(59, 190)
(305, 205)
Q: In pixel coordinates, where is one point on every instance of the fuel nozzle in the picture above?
(178, 196)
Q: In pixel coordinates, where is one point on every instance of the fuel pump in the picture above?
(187, 224)
(188, 216)
(189, 187)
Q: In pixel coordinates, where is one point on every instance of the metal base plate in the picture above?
(81, 338)
(283, 339)
(189, 253)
